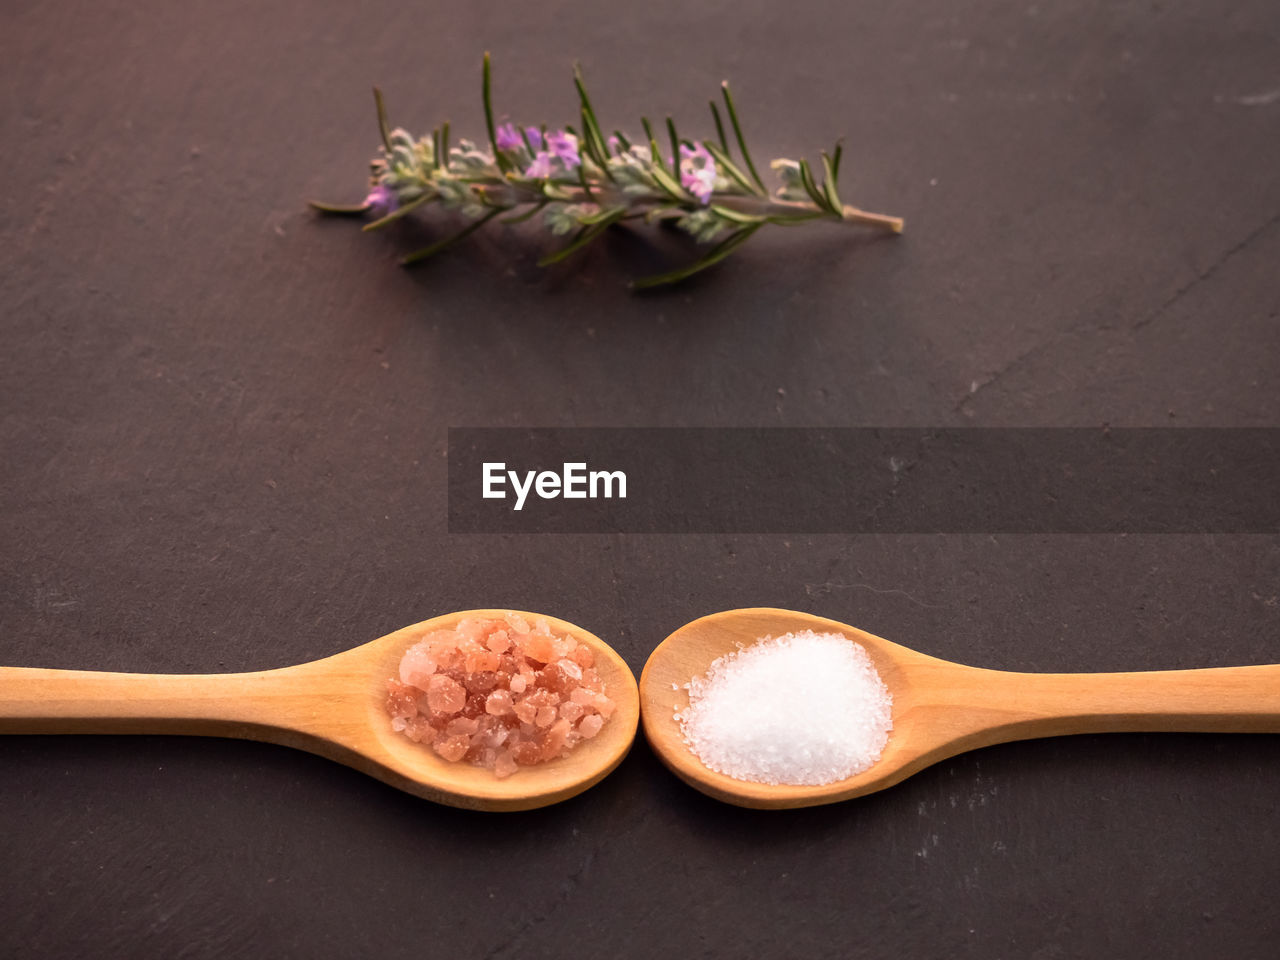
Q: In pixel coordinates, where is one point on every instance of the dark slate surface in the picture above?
(223, 428)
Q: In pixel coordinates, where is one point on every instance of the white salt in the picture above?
(805, 708)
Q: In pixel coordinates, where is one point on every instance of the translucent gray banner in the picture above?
(861, 480)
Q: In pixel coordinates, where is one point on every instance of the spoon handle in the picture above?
(1011, 706)
(36, 700)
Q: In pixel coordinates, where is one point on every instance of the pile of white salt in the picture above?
(805, 708)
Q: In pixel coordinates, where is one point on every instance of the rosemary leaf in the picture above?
(528, 214)
(829, 183)
(728, 166)
(487, 93)
(654, 152)
(419, 255)
(811, 188)
(582, 238)
(742, 141)
(665, 212)
(383, 129)
(607, 215)
(591, 147)
(715, 115)
(556, 192)
(593, 138)
(737, 216)
(669, 185)
(718, 253)
(399, 212)
(339, 209)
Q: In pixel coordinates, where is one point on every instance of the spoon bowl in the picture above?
(333, 707)
(941, 708)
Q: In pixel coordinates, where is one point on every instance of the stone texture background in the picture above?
(223, 421)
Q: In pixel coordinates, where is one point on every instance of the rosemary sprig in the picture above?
(582, 184)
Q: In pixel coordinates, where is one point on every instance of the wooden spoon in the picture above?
(333, 707)
(941, 708)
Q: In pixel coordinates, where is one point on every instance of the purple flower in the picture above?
(508, 137)
(559, 146)
(565, 147)
(697, 172)
(535, 137)
(381, 200)
(540, 169)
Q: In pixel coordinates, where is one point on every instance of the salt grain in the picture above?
(498, 693)
(805, 708)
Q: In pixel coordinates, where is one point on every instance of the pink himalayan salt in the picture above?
(444, 694)
(498, 693)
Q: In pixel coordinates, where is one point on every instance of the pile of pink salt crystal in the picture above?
(498, 693)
